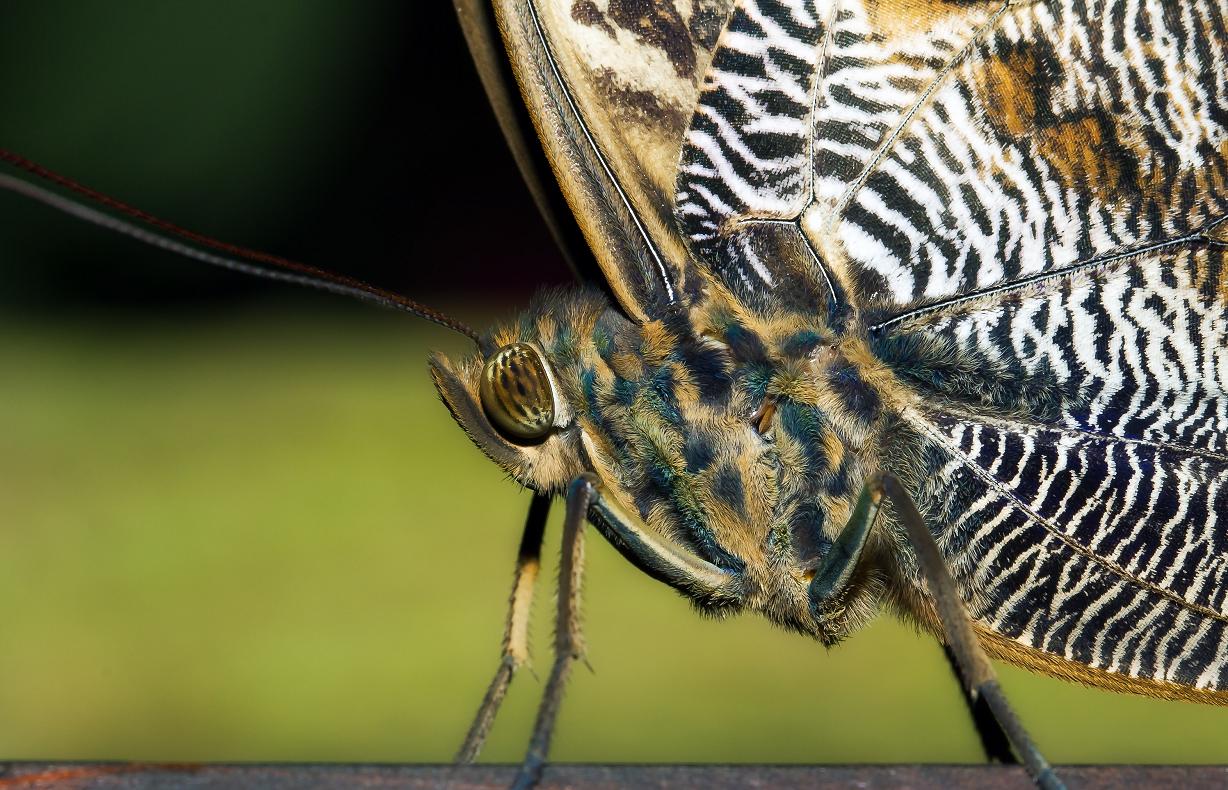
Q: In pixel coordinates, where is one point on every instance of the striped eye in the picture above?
(517, 393)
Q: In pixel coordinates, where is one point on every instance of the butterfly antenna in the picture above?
(252, 262)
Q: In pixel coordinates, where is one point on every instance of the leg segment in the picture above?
(974, 665)
(516, 634)
(994, 743)
(837, 567)
(568, 644)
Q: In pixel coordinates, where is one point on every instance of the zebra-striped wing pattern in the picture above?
(928, 152)
(1090, 553)
(1023, 203)
(1092, 526)
(802, 102)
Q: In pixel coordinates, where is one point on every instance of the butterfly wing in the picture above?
(1072, 245)
(610, 88)
(1023, 205)
(801, 101)
(1085, 514)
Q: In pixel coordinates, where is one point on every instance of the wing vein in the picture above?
(1077, 267)
(1068, 431)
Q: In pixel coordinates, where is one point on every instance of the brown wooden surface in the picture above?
(602, 777)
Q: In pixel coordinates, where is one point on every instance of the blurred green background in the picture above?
(235, 521)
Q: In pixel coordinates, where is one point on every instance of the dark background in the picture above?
(352, 136)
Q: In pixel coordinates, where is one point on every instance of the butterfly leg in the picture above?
(975, 669)
(516, 634)
(568, 644)
(837, 568)
(994, 742)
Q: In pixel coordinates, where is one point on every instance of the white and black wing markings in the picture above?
(1094, 528)
(800, 97)
(1039, 189)
(744, 175)
(1098, 534)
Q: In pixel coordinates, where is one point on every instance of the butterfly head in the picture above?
(513, 397)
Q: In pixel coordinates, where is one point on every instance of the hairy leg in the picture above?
(974, 666)
(516, 633)
(568, 644)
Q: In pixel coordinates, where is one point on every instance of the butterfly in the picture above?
(975, 251)
(748, 295)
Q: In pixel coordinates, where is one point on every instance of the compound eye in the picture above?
(517, 393)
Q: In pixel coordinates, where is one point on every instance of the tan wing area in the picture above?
(611, 85)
